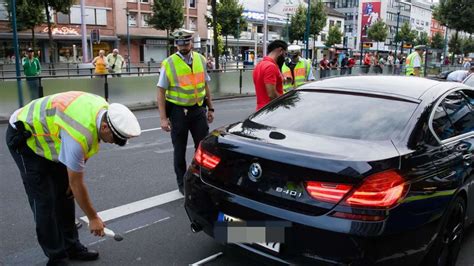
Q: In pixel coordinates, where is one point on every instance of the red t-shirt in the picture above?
(266, 72)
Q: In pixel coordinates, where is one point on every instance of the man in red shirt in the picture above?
(267, 77)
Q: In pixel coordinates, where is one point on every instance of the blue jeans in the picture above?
(33, 86)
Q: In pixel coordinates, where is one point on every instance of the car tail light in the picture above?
(327, 192)
(206, 159)
(380, 190)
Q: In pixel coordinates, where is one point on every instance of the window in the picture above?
(331, 23)
(63, 18)
(145, 18)
(101, 16)
(192, 3)
(192, 23)
(339, 24)
(3, 10)
(145, 1)
(453, 117)
(132, 19)
(338, 115)
(94, 16)
(323, 37)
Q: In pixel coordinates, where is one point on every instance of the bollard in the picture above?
(106, 87)
(149, 67)
(77, 66)
(240, 81)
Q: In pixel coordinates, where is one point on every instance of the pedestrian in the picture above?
(350, 64)
(414, 62)
(324, 66)
(267, 78)
(459, 75)
(100, 64)
(344, 63)
(367, 62)
(32, 69)
(297, 70)
(467, 63)
(116, 63)
(50, 139)
(390, 62)
(183, 94)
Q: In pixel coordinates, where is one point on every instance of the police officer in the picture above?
(297, 70)
(50, 139)
(414, 62)
(183, 95)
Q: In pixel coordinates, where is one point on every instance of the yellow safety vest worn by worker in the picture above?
(301, 72)
(75, 111)
(409, 66)
(187, 86)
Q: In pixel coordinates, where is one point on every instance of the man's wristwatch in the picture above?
(210, 109)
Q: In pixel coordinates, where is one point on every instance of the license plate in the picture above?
(273, 246)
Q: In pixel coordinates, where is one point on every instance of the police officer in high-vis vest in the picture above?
(50, 139)
(183, 95)
(414, 62)
(297, 70)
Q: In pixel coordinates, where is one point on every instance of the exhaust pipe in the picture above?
(195, 227)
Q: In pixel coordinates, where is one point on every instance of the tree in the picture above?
(228, 13)
(317, 17)
(62, 6)
(468, 45)
(167, 15)
(405, 35)
(437, 41)
(215, 31)
(455, 14)
(422, 39)
(455, 44)
(334, 36)
(298, 24)
(378, 32)
(28, 16)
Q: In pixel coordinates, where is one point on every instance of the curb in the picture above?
(152, 105)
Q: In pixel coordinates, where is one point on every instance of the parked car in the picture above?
(363, 170)
(469, 81)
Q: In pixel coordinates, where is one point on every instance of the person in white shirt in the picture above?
(459, 75)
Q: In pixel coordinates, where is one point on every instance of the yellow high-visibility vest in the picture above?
(74, 111)
(301, 72)
(187, 85)
(409, 69)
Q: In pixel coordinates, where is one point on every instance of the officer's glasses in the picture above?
(182, 42)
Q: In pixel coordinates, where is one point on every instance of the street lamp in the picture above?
(396, 32)
(17, 54)
(128, 38)
(238, 39)
(287, 27)
(306, 33)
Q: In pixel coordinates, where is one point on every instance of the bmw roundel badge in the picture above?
(255, 172)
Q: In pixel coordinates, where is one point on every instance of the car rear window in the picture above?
(342, 115)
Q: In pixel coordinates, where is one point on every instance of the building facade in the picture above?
(420, 17)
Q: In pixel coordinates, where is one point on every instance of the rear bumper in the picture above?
(311, 239)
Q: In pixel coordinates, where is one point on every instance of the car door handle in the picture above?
(467, 157)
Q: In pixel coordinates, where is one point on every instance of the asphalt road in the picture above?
(118, 176)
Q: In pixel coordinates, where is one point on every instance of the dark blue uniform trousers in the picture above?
(193, 119)
(46, 184)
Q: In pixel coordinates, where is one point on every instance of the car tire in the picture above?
(445, 249)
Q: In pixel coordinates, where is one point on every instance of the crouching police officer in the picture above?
(183, 93)
(50, 140)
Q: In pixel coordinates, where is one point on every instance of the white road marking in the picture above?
(151, 129)
(171, 149)
(146, 225)
(137, 206)
(213, 257)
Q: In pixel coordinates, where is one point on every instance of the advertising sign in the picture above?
(370, 14)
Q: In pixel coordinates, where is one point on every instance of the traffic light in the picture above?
(407, 46)
(367, 45)
(95, 35)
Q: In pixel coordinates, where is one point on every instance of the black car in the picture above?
(355, 170)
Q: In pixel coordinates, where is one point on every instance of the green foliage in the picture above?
(437, 41)
(62, 6)
(298, 24)
(455, 44)
(378, 31)
(334, 36)
(317, 17)
(406, 34)
(220, 41)
(167, 15)
(455, 14)
(422, 39)
(228, 13)
(468, 45)
(28, 14)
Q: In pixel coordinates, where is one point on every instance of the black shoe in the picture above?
(82, 253)
(181, 190)
(60, 262)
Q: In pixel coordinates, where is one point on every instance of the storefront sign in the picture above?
(62, 31)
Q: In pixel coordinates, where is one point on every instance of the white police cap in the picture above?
(182, 34)
(122, 121)
(294, 48)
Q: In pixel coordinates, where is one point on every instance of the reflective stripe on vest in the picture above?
(301, 72)
(410, 70)
(187, 86)
(75, 112)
